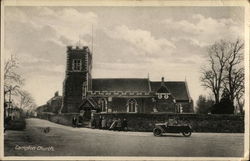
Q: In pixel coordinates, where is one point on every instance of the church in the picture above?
(82, 93)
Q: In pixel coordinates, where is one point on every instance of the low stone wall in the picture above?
(199, 123)
(64, 119)
(146, 122)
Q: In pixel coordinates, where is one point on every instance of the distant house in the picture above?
(53, 105)
(42, 108)
(15, 113)
(81, 92)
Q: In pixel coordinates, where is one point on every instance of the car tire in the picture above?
(186, 134)
(157, 132)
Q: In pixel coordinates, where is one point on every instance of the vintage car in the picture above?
(161, 128)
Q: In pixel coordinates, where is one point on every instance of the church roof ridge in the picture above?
(168, 81)
(123, 78)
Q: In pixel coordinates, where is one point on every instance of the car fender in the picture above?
(160, 127)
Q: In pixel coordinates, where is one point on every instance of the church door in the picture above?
(87, 107)
(87, 114)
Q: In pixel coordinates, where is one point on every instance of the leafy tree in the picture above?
(204, 105)
(225, 106)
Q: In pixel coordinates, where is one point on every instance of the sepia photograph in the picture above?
(134, 80)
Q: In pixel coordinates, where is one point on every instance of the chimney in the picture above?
(69, 48)
(162, 81)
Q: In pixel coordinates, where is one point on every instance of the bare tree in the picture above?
(12, 79)
(224, 70)
(26, 101)
(212, 74)
(234, 71)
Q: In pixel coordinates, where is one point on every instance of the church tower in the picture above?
(77, 78)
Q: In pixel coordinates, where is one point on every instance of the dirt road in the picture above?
(67, 141)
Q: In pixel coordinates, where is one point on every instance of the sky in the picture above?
(128, 42)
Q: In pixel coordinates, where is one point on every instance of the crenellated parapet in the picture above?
(119, 93)
(72, 48)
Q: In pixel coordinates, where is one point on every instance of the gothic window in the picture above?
(103, 105)
(179, 108)
(162, 95)
(159, 95)
(132, 105)
(76, 65)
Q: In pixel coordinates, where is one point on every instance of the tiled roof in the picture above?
(177, 89)
(41, 108)
(120, 84)
(57, 98)
(92, 103)
(163, 89)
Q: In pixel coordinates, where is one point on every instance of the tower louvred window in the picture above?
(76, 64)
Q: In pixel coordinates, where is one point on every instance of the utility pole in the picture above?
(9, 99)
(5, 104)
(9, 102)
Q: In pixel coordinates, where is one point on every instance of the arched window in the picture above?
(103, 105)
(132, 105)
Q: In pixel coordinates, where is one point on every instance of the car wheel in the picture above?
(186, 134)
(157, 132)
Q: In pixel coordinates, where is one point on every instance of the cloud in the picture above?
(43, 87)
(140, 39)
(203, 31)
(44, 33)
(124, 46)
(68, 22)
(31, 59)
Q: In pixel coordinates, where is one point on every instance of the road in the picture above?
(67, 141)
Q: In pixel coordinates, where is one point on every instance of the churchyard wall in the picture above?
(199, 123)
(146, 122)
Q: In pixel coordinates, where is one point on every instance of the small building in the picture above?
(15, 113)
(42, 108)
(53, 105)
